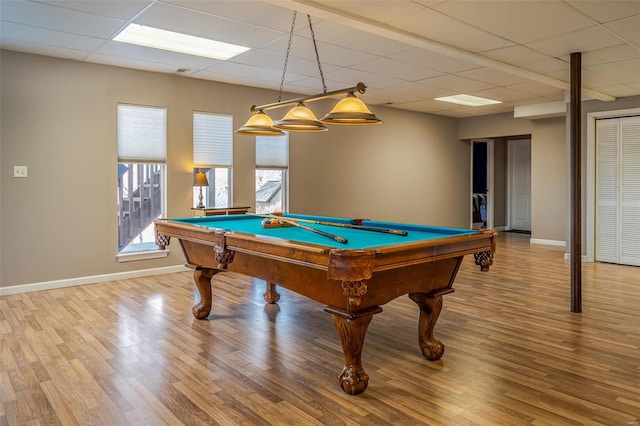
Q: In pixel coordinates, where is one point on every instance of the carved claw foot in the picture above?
(353, 380)
(271, 295)
(201, 310)
(432, 350)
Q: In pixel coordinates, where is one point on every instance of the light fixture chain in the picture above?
(286, 58)
(313, 37)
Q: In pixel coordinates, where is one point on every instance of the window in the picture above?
(213, 155)
(142, 151)
(272, 162)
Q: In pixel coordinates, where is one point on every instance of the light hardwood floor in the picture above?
(130, 353)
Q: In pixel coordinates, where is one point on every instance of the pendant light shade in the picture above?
(351, 111)
(259, 124)
(300, 119)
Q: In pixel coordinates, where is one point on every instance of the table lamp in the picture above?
(200, 180)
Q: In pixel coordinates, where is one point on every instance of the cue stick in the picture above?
(336, 238)
(360, 227)
(348, 225)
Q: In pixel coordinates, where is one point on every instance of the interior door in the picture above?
(520, 184)
(618, 190)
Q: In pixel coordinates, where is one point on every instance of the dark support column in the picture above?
(575, 114)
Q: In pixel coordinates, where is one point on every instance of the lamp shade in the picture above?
(300, 119)
(259, 124)
(200, 180)
(351, 111)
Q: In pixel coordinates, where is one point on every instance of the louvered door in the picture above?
(618, 190)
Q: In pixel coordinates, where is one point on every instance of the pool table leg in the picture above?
(430, 305)
(271, 295)
(352, 328)
(202, 277)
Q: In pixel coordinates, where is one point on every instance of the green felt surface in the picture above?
(357, 239)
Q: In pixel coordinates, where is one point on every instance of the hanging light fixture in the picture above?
(349, 111)
(300, 119)
(259, 124)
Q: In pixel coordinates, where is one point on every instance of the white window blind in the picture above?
(142, 134)
(272, 151)
(212, 140)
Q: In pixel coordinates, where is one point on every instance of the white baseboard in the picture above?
(500, 228)
(548, 242)
(93, 279)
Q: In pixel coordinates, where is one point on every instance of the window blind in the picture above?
(272, 151)
(212, 140)
(142, 134)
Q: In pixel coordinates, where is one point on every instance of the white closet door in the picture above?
(607, 162)
(618, 190)
(630, 191)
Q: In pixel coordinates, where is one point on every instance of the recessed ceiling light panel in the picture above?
(176, 42)
(468, 100)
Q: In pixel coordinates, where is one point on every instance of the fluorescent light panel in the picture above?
(468, 100)
(177, 42)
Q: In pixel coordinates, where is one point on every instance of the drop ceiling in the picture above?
(407, 52)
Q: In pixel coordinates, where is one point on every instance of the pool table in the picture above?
(353, 279)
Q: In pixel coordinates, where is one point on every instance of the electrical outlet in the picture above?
(20, 171)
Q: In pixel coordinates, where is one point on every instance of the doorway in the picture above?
(520, 185)
(482, 184)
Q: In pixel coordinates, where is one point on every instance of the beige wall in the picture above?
(403, 170)
(59, 119)
(549, 166)
(550, 174)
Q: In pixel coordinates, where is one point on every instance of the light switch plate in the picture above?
(20, 171)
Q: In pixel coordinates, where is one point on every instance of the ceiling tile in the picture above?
(444, 29)
(456, 83)
(46, 37)
(329, 54)
(491, 76)
(266, 59)
(391, 68)
(623, 71)
(538, 89)
(351, 76)
(254, 12)
(154, 56)
(434, 61)
(527, 58)
(351, 38)
(313, 85)
(627, 28)
(121, 9)
(186, 21)
(590, 78)
(378, 10)
(513, 19)
(502, 94)
(135, 63)
(423, 105)
(57, 18)
(419, 88)
(605, 11)
(608, 54)
(620, 90)
(243, 70)
(591, 38)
